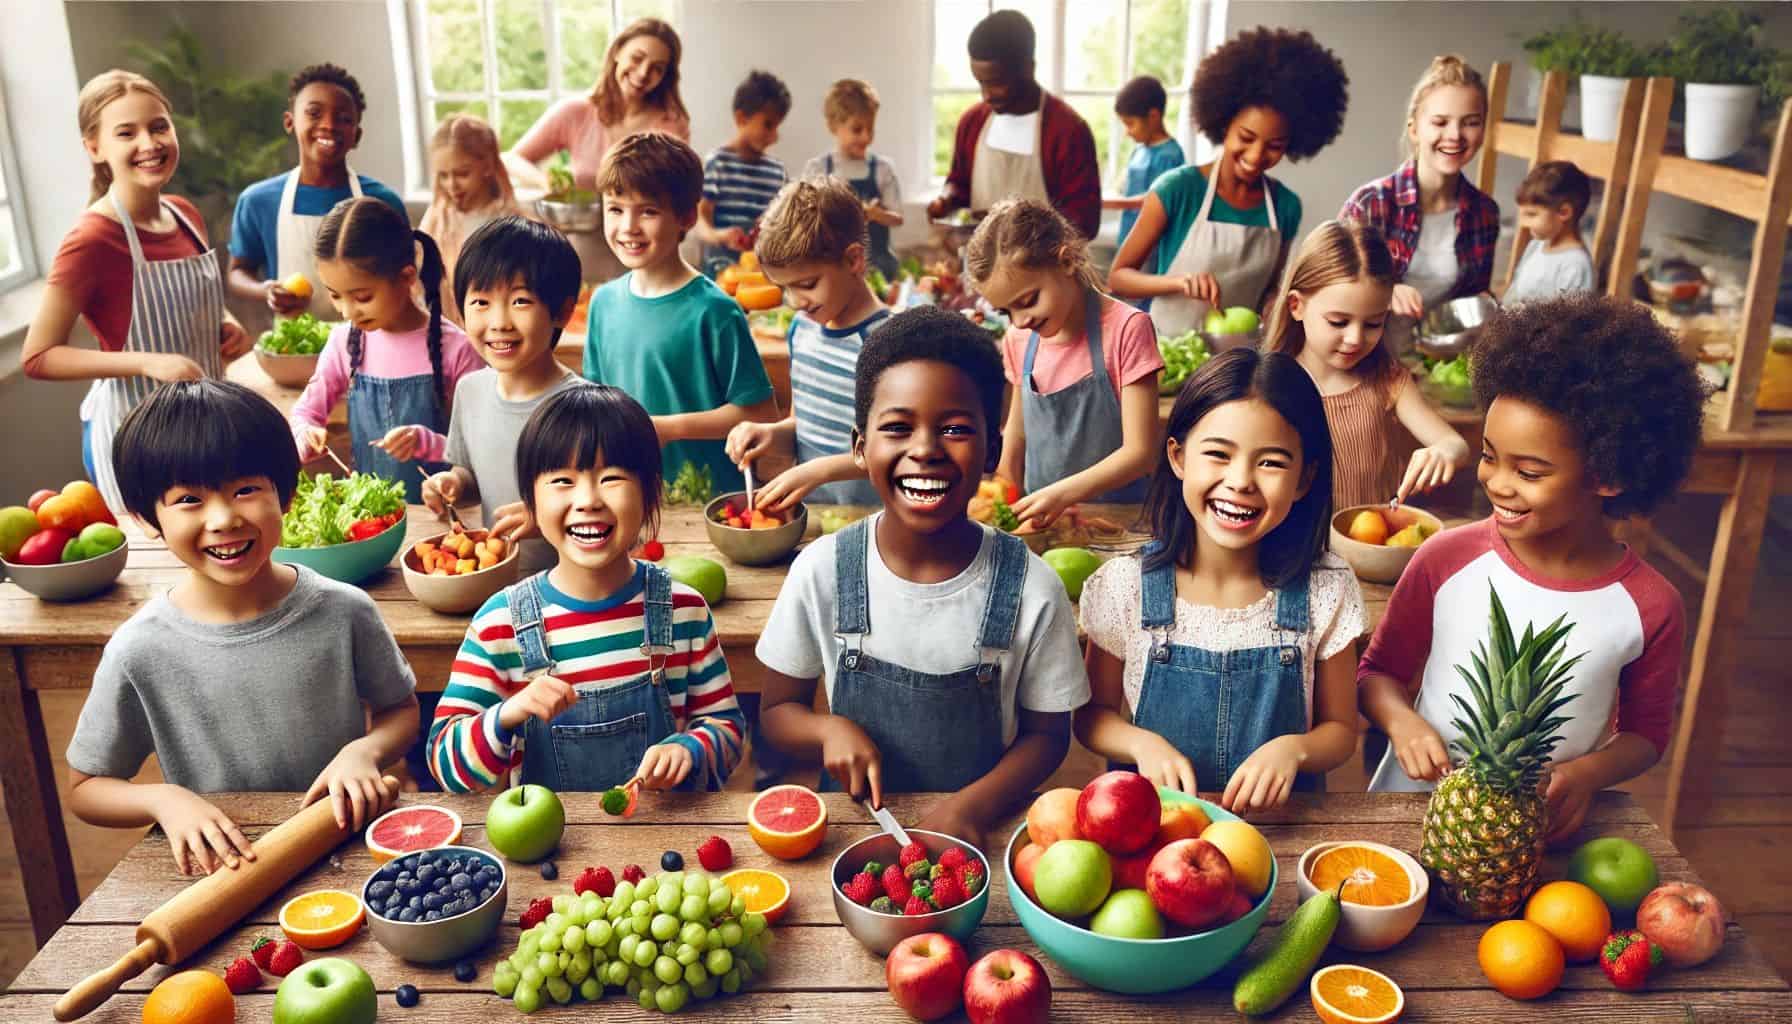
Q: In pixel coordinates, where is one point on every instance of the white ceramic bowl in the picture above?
(1366, 929)
(70, 581)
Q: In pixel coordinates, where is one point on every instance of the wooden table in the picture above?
(819, 972)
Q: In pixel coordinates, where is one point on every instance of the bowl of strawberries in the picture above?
(455, 572)
(752, 536)
(884, 892)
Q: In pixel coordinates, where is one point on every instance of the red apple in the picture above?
(1053, 817)
(1129, 870)
(926, 975)
(1191, 882)
(1025, 859)
(39, 497)
(1119, 811)
(1685, 920)
(1007, 987)
(1239, 906)
(44, 547)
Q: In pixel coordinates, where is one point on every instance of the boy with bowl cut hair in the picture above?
(210, 467)
(851, 109)
(1551, 201)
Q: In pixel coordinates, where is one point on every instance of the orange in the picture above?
(63, 512)
(1369, 527)
(788, 822)
(1521, 959)
(1371, 878)
(322, 919)
(1348, 994)
(88, 497)
(190, 997)
(766, 892)
(298, 285)
(1574, 914)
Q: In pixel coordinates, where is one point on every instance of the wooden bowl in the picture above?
(458, 595)
(1378, 563)
(287, 371)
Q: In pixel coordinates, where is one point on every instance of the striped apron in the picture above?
(177, 306)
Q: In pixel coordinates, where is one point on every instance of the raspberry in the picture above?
(653, 551)
(633, 874)
(954, 858)
(861, 889)
(243, 976)
(911, 853)
(948, 892)
(915, 907)
(538, 912)
(597, 880)
(715, 854)
(895, 884)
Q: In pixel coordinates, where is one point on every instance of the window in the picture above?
(1085, 51)
(509, 60)
(15, 243)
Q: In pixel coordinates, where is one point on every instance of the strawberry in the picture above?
(715, 854)
(915, 907)
(862, 889)
(895, 883)
(633, 874)
(242, 976)
(286, 959)
(263, 951)
(1627, 957)
(911, 853)
(948, 892)
(597, 880)
(538, 912)
(653, 551)
(970, 878)
(954, 859)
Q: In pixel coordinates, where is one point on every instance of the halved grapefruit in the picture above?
(411, 828)
(788, 822)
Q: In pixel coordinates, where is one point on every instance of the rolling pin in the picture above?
(207, 908)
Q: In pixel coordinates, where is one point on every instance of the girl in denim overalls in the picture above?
(397, 361)
(1223, 656)
(600, 671)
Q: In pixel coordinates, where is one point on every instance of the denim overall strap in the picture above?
(877, 236)
(1292, 606)
(1157, 600)
(1001, 614)
(852, 595)
(524, 601)
(656, 632)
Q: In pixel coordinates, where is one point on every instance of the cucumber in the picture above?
(1269, 982)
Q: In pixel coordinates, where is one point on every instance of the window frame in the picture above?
(14, 204)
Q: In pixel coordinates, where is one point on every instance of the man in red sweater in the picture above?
(1020, 140)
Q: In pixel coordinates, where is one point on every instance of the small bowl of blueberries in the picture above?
(436, 905)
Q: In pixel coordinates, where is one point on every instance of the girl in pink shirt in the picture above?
(397, 362)
(637, 92)
(1083, 425)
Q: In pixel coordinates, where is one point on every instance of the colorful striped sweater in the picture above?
(589, 642)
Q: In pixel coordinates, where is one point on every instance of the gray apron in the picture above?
(1241, 257)
(877, 253)
(1070, 430)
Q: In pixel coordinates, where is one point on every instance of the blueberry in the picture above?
(434, 901)
(426, 872)
(408, 915)
(432, 915)
(460, 880)
(671, 860)
(440, 883)
(455, 865)
(379, 890)
(465, 971)
(549, 871)
(487, 893)
(406, 995)
(415, 903)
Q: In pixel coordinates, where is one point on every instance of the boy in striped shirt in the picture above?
(600, 670)
(739, 179)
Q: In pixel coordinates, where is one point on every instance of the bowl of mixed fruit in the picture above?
(752, 536)
(455, 572)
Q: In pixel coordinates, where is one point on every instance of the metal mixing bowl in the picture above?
(880, 933)
(571, 216)
(1448, 330)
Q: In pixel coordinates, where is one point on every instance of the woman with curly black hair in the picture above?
(1220, 234)
(1593, 414)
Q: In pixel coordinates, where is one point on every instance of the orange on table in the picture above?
(90, 500)
(788, 822)
(1348, 994)
(190, 997)
(1373, 879)
(765, 892)
(1574, 914)
(62, 512)
(322, 919)
(1521, 959)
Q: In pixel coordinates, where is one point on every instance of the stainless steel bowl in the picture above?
(1448, 330)
(571, 216)
(432, 942)
(881, 932)
(753, 547)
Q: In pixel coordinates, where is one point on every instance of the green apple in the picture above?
(1073, 566)
(1620, 871)
(75, 551)
(524, 823)
(1073, 877)
(17, 524)
(700, 574)
(1240, 320)
(1215, 323)
(327, 991)
(99, 538)
(1128, 914)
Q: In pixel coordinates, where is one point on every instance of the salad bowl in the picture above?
(344, 528)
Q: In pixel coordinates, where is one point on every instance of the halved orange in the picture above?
(1348, 994)
(788, 822)
(322, 919)
(766, 892)
(1372, 878)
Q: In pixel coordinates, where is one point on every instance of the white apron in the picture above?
(177, 306)
(999, 173)
(1241, 257)
(294, 235)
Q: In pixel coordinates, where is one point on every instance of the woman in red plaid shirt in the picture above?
(1440, 229)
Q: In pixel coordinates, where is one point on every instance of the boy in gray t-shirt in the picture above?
(247, 674)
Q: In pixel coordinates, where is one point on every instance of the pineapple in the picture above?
(1484, 826)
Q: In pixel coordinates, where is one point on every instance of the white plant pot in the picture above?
(1719, 119)
(1601, 103)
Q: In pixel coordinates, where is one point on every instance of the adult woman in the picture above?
(637, 92)
(1439, 228)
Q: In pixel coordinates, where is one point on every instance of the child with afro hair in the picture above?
(1218, 235)
(1593, 414)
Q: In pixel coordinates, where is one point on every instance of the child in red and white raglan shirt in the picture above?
(1593, 414)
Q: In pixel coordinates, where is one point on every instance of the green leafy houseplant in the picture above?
(1723, 44)
(1579, 48)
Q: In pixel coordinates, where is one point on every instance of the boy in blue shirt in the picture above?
(276, 220)
(739, 179)
(662, 332)
(1140, 105)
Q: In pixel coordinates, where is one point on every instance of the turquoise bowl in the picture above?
(1136, 966)
(351, 562)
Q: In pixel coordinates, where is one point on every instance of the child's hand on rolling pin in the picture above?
(545, 697)
(200, 836)
(352, 780)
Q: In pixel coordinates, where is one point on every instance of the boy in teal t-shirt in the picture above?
(662, 332)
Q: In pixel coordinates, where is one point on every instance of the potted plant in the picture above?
(1720, 53)
(1602, 58)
